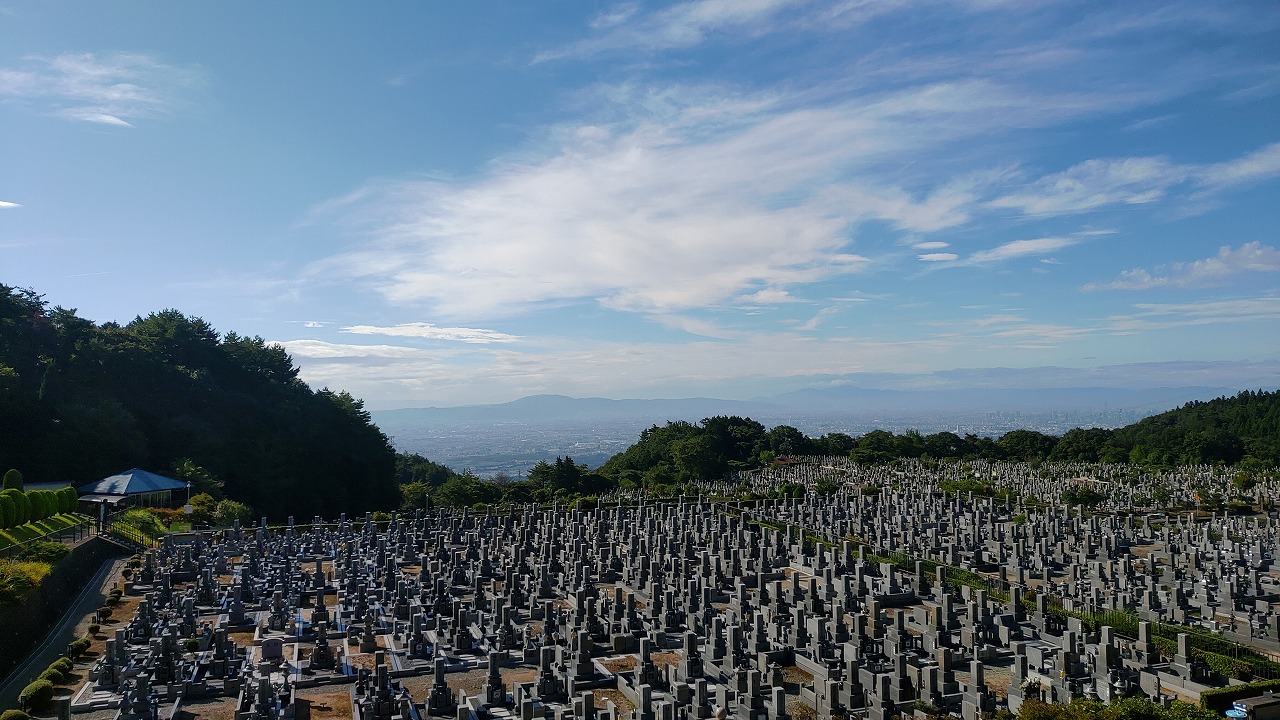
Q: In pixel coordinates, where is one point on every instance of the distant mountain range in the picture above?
(844, 401)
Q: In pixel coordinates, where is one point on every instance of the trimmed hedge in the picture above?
(1221, 698)
(37, 694)
(14, 715)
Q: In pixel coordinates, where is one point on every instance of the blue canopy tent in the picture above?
(132, 487)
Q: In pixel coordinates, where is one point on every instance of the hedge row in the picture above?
(1221, 698)
(19, 508)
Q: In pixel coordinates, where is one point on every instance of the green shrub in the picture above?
(46, 551)
(63, 664)
(104, 612)
(191, 644)
(8, 513)
(94, 628)
(78, 646)
(36, 695)
(13, 480)
(21, 506)
(14, 715)
(53, 675)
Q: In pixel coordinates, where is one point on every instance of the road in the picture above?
(55, 643)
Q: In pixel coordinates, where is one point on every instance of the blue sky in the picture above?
(451, 203)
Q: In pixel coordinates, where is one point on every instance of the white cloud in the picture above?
(1096, 183)
(1020, 248)
(1099, 183)
(705, 198)
(931, 245)
(321, 350)
(937, 257)
(6, 205)
(1217, 270)
(1261, 164)
(1162, 316)
(768, 296)
(108, 89)
(429, 331)
(682, 25)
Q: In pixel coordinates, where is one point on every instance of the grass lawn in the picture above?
(31, 531)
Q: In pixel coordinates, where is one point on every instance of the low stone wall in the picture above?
(24, 624)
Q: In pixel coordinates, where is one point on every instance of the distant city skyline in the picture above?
(450, 204)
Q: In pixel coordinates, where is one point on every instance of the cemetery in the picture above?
(884, 595)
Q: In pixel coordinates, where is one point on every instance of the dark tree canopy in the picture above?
(80, 401)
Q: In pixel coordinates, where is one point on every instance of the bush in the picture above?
(14, 715)
(63, 664)
(45, 551)
(8, 513)
(191, 644)
(21, 506)
(18, 577)
(53, 675)
(78, 646)
(104, 612)
(13, 480)
(228, 511)
(94, 628)
(36, 695)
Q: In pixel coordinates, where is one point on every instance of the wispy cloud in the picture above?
(937, 257)
(1220, 269)
(1100, 183)
(6, 205)
(112, 89)
(682, 25)
(428, 331)
(1020, 248)
(709, 197)
(1162, 316)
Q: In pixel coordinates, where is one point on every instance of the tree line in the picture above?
(80, 401)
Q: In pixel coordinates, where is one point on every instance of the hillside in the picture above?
(1227, 430)
(80, 401)
(1244, 429)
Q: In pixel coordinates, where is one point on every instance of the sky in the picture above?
(457, 203)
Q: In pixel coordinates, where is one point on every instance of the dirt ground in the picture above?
(800, 711)
(326, 702)
(602, 694)
(663, 659)
(216, 709)
(472, 682)
(620, 665)
(793, 674)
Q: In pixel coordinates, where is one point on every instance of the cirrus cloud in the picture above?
(429, 331)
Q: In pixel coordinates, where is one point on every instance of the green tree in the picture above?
(228, 511)
(202, 481)
(1026, 445)
(415, 496)
(12, 480)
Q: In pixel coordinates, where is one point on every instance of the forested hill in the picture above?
(80, 401)
(1226, 430)
(1241, 430)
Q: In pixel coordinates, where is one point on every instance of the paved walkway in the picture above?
(54, 645)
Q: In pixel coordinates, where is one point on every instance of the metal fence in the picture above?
(74, 533)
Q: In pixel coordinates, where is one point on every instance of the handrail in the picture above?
(10, 550)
